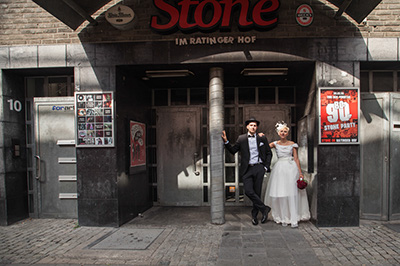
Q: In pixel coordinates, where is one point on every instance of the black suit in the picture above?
(252, 176)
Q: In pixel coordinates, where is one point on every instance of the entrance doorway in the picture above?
(179, 142)
(50, 142)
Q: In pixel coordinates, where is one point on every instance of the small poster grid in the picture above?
(95, 119)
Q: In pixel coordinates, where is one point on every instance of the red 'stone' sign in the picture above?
(208, 15)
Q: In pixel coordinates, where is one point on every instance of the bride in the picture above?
(288, 203)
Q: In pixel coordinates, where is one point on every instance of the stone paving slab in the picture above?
(127, 239)
(188, 238)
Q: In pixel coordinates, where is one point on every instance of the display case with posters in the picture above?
(339, 115)
(94, 119)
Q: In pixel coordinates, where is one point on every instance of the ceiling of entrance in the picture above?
(73, 12)
(296, 73)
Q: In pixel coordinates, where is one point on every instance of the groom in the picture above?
(255, 160)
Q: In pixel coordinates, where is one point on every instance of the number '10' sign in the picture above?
(338, 113)
(15, 105)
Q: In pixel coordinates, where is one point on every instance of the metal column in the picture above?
(216, 90)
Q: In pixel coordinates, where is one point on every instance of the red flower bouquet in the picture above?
(301, 183)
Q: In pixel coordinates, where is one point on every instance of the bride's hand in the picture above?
(261, 134)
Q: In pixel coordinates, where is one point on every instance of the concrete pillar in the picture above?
(216, 115)
(338, 166)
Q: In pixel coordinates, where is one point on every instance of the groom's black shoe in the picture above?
(265, 215)
(254, 221)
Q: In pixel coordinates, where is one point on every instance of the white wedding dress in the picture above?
(289, 205)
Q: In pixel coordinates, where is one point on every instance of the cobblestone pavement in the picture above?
(372, 243)
(188, 238)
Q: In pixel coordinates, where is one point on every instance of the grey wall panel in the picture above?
(80, 55)
(23, 56)
(4, 57)
(352, 49)
(52, 56)
(380, 49)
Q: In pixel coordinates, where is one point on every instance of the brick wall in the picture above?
(23, 22)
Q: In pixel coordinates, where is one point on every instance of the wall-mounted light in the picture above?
(168, 73)
(264, 71)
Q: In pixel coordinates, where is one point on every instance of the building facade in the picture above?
(103, 117)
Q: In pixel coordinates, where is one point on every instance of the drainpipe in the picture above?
(216, 98)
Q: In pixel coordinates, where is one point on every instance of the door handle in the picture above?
(194, 164)
(38, 173)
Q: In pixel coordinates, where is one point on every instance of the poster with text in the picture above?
(95, 119)
(339, 113)
(138, 143)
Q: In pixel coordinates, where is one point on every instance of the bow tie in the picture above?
(250, 136)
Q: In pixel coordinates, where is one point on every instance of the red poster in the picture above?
(339, 109)
(138, 143)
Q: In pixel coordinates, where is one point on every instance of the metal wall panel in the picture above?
(374, 137)
(394, 195)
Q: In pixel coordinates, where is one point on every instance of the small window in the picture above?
(205, 116)
(229, 174)
(178, 97)
(152, 155)
(247, 95)
(382, 81)
(266, 95)
(35, 87)
(58, 87)
(198, 96)
(286, 95)
(229, 95)
(230, 115)
(49, 86)
(364, 82)
(152, 136)
(205, 135)
(398, 81)
(160, 97)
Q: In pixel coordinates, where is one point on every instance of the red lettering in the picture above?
(198, 15)
(183, 20)
(209, 14)
(258, 11)
(226, 20)
(172, 12)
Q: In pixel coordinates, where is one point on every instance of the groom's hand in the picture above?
(223, 136)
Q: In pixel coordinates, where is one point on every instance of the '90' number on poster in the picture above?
(338, 110)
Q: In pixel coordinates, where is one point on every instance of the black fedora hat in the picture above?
(252, 120)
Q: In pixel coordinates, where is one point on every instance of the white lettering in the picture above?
(331, 127)
(338, 110)
(15, 105)
(215, 40)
